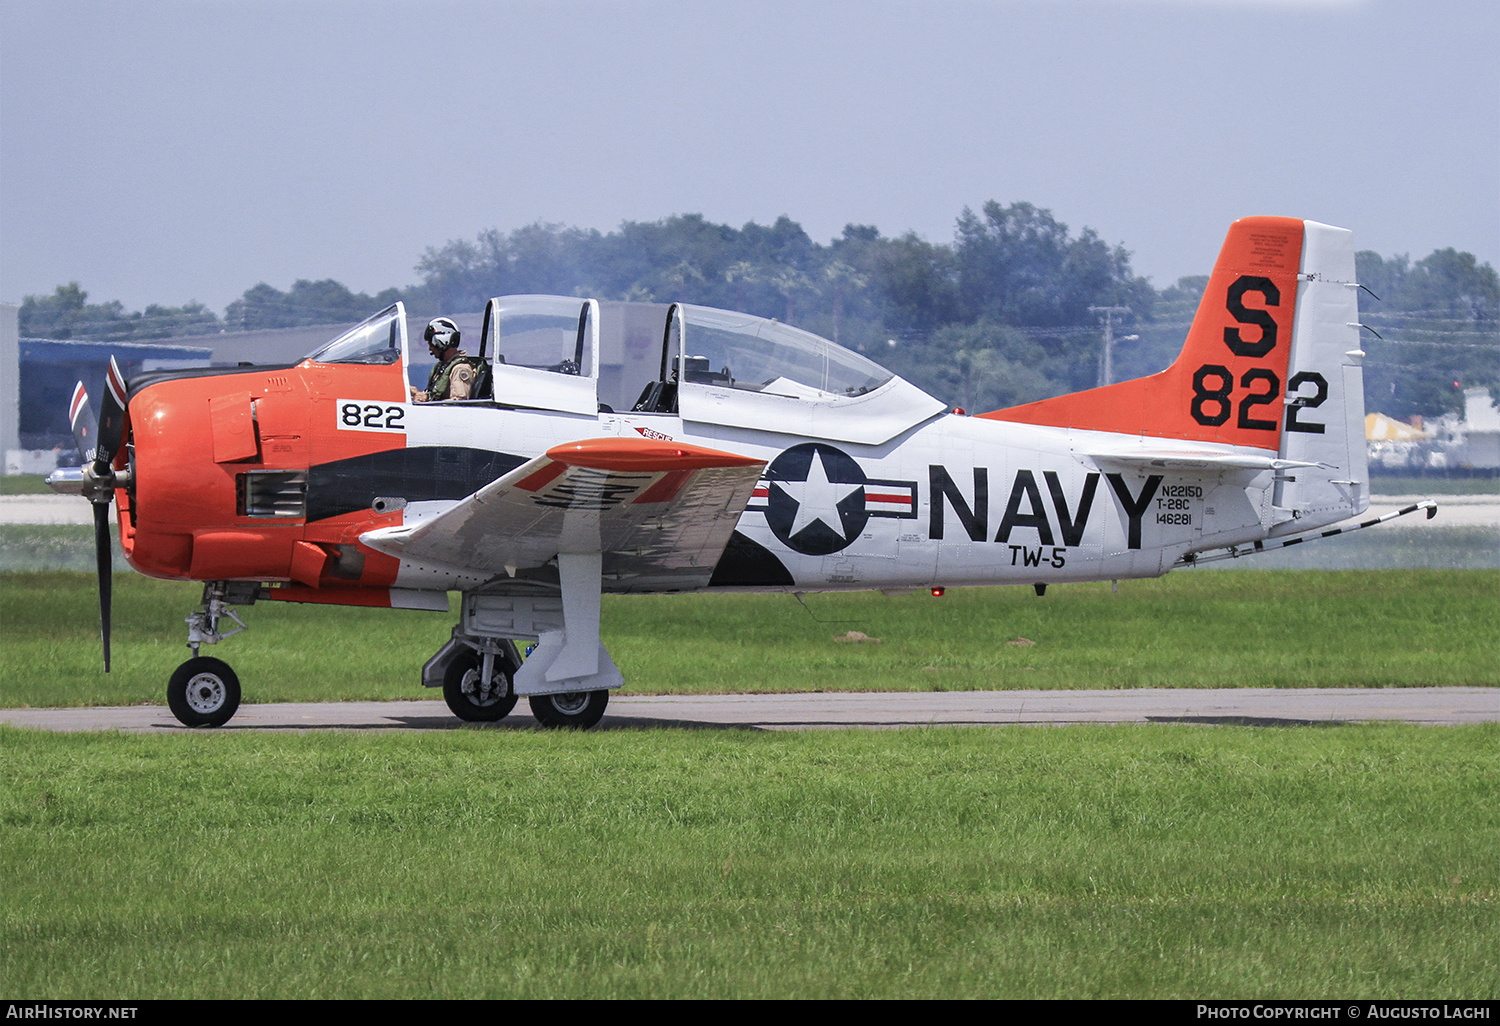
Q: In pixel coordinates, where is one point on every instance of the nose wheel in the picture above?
(203, 692)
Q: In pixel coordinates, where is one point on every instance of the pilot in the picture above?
(453, 374)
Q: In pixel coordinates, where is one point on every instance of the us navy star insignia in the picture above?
(817, 498)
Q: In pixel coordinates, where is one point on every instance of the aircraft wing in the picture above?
(659, 512)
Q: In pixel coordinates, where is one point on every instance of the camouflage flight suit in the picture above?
(451, 380)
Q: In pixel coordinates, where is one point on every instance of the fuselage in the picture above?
(274, 475)
(635, 447)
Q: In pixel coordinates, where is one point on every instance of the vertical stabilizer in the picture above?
(1225, 387)
(1271, 363)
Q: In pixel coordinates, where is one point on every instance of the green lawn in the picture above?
(1190, 629)
(1159, 861)
(24, 484)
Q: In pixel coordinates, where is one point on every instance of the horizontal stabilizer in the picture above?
(1186, 459)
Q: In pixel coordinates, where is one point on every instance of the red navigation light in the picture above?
(937, 592)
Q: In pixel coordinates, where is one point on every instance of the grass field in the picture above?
(1160, 861)
(1189, 629)
(1155, 861)
(24, 484)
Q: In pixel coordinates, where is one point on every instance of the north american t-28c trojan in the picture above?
(627, 448)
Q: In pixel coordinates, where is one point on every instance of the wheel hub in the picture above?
(205, 694)
(479, 692)
(570, 703)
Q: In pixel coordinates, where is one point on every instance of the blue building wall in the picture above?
(49, 369)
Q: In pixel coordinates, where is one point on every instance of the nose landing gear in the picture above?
(204, 692)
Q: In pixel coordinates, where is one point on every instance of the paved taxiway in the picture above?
(1270, 707)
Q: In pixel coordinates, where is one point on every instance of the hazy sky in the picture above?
(165, 152)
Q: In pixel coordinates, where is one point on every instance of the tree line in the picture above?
(1002, 315)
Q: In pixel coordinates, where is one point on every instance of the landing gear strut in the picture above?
(204, 692)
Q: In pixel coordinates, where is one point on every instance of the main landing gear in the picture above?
(479, 697)
(479, 693)
(578, 709)
(566, 676)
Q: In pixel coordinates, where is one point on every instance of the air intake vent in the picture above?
(272, 493)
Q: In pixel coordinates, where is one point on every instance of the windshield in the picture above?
(736, 350)
(377, 340)
(550, 333)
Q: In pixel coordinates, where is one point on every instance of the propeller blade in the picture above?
(105, 560)
(81, 417)
(106, 446)
(111, 419)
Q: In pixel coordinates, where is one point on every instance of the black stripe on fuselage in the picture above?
(416, 474)
(749, 564)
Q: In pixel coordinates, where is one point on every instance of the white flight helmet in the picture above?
(440, 334)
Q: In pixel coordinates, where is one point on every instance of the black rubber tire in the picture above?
(462, 703)
(577, 709)
(203, 692)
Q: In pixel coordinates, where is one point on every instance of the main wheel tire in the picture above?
(203, 692)
(462, 691)
(578, 709)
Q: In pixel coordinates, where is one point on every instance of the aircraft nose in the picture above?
(205, 504)
(176, 487)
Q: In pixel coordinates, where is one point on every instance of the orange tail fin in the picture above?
(1227, 384)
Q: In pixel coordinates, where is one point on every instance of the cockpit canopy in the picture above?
(735, 350)
(377, 340)
(546, 333)
(583, 356)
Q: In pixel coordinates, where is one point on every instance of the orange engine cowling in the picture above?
(220, 467)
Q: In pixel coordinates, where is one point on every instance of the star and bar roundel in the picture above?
(817, 500)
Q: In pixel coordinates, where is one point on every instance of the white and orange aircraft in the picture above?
(622, 447)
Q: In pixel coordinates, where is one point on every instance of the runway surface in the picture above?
(1268, 707)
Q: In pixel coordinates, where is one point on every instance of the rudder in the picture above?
(1325, 400)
